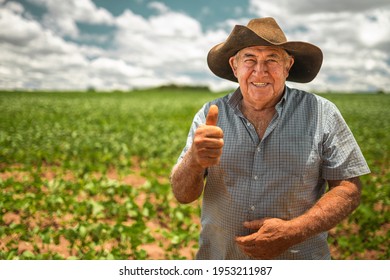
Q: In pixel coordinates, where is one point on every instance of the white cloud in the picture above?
(374, 28)
(348, 32)
(16, 30)
(34, 57)
(173, 24)
(114, 68)
(158, 6)
(301, 7)
(17, 8)
(171, 47)
(62, 16)
(129, 20)
(170, 44)
(116, 73)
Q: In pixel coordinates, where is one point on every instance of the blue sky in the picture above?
(127, 44)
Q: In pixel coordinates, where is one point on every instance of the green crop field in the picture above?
(84, 175)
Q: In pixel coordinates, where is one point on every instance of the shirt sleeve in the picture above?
(341, 156)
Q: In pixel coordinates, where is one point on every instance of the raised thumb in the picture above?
(212, 116)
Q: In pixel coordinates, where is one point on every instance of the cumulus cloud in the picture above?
(171, 47)
(307, 7)
(158, 6)
(62, 16)
(17, 30)
(34, 57)
(171, 44)
(14, 6)
(353, 35)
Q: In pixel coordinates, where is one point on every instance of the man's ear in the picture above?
(233, 65)
(289, 64)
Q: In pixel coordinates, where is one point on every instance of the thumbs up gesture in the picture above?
(208, 141)
(212, 116)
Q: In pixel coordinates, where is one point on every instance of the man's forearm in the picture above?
(331, 209)
(187, 180)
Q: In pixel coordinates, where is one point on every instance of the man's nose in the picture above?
(260, 67)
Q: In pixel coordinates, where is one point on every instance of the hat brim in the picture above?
(307, 57)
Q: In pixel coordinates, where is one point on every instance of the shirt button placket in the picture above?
(255, 178)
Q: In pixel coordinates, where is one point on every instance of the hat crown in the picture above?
(268, 29)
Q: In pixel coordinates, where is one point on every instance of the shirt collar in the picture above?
(236, 97)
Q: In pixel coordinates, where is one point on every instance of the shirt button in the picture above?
(258, 149)
(253, 208)
(255, 177)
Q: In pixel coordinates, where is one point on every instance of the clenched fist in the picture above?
(208, 141)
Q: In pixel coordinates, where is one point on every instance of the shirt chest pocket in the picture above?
(298, 156)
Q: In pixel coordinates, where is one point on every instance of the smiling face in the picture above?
(261, 72)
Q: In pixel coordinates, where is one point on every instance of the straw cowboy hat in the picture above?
(265, 32)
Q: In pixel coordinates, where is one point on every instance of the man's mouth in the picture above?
(259, 84)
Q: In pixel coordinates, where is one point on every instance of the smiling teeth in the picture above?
(260, 84)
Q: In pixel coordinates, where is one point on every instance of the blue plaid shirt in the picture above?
(281, 175)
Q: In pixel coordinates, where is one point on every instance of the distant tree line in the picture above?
(190, 87)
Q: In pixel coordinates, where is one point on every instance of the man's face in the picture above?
(261, 72)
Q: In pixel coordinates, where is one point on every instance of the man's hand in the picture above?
(208, 141)
(273, 237)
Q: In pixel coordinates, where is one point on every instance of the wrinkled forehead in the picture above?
(263, 50)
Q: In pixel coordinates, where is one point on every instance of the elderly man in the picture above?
(263, 154)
